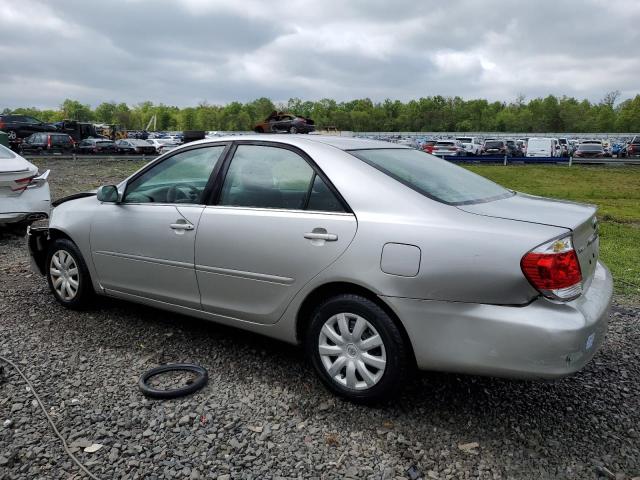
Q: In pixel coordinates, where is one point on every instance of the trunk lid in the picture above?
(580, 218)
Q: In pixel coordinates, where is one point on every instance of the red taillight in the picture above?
(554, 269)
(630, 148)
(22, 183)
(49, 142)
(2, 125)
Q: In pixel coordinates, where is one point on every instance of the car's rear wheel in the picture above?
(12, 135)
(293, 129)
(357, 349)
(67, 275)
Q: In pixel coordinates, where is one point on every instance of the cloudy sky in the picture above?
(182, 52)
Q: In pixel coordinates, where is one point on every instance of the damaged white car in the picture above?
(24, 192)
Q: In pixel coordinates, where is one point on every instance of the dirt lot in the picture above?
(265, 415)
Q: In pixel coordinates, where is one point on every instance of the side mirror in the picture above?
(108, 193)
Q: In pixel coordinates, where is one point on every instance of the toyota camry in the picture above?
(375, 257)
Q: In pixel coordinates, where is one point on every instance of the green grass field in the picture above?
(616, 192)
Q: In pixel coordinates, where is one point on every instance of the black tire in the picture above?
(12, 135)
(200, 381)
(293, 129)
(259, 130)
(398, 364)
(84, 292)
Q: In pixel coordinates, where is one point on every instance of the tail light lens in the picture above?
(49, 142)
(22, 183)
(554, 270)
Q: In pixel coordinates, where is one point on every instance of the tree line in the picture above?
(428, 114)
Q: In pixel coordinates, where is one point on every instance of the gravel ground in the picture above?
(265, 415)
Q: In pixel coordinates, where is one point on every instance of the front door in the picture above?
(144, 245)
(277, 224)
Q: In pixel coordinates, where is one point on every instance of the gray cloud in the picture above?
(183, 52)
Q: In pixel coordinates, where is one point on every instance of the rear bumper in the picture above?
(544, 339)
(32, 204)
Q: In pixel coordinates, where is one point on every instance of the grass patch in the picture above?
(616, 192)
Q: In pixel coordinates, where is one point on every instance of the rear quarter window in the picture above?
(432, 177)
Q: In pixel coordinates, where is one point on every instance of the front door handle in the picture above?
(329, 237)
(181, 226)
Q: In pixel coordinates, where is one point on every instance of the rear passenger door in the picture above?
(276, 223)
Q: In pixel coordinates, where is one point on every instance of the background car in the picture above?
(494, 147)
(589, 150)
(162, 145)
(96, 145)
(134, 146)
(632, 148)
(543, 147)
(472, 145)
(513, 149)
(48, 142)
(449, 147)
(21, 126)
(285, 122)
(24, 192)
(429, 145)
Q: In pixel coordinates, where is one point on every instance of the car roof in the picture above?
(342, 143)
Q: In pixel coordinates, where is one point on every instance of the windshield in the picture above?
(433, 177)
(6, 153)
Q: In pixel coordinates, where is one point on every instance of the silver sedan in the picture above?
(375, 257)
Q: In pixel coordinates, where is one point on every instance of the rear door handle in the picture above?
(181, 226)
(329, 237)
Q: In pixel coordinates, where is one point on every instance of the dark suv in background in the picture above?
(49, 142)
(21, 126)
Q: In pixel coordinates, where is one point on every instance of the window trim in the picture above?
(216, 193)
(206, 193)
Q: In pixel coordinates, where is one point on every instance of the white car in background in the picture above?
(24, 192)
(162, 145)
(471, 145)
(543, 147)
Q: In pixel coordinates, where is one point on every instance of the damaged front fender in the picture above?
(38, 244)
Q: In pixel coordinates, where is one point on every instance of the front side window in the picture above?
(432, 177)
(270, 177)
(181, 178)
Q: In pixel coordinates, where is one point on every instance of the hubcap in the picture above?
(12, 135)
(352, 351)
(64, 275)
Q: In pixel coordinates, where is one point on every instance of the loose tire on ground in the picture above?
(200, 381)
(387, 367)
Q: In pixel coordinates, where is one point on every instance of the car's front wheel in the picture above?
(67, 275)
(293, 129)
(357, 349)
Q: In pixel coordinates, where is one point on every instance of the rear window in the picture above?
(494, 144)
(445, 144)
(433, 177)
(465, 140)
(6, 153)
(635, 139)
(590, 147)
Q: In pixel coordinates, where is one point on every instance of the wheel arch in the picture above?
(328, 290)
